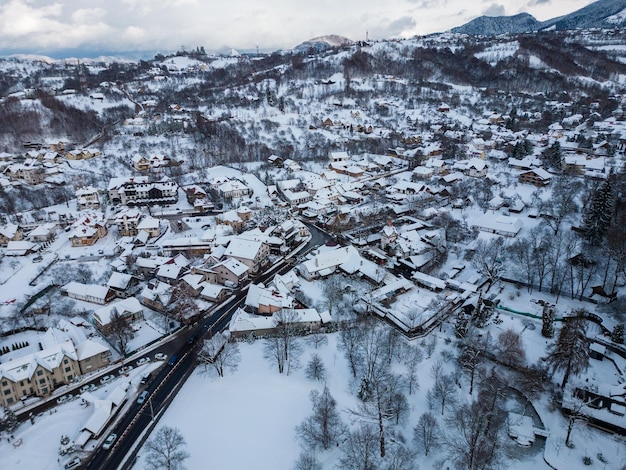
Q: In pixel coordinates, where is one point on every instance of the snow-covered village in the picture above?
(377, 254)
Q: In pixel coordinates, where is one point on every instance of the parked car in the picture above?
(108, 443)
(64, 398)
(37, 259)
(87, 388)
(142, 397)
(143, 361)
(106, 379)
(125, 369)
(146, 378)
(74, 463)
(160, 356)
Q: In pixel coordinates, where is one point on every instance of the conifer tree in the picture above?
(547, 329)
(570, 352)
(599, 211)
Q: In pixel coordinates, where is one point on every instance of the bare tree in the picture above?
(182, 303)
(332, 288)
(166, 450)
(429, 345)
(426, 433)
(442, 393)
(121, 331)
(360, 449)
(307, 461)
(283, 346)
(561, 206)
(474, 437)
(472, 352)
(349, 341)
(219, 354)
(570, 352)
(317, 339)
(315, 369)
(489, 259)
(324, 427)
(400, 457)
(510, 348)
(413, 356)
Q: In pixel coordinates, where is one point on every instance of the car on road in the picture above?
(142, 361)
(87, 388)
(160, 356)
(142, 397)
(172, 360)
(74, 463)
(106, 379)
(65, 398)
(108, 443)
(146, 378)
(125, 369)
(192, 339)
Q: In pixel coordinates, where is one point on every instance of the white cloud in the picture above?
(43, 26)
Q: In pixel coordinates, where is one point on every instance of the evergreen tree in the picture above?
(547, 329)
(8, 420)
(599, 212)
(552, 155)
(617, 336)
(570, 352)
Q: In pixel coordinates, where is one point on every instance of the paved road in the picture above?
(169, 379)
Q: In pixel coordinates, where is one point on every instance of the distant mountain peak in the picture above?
(600, 14)
(321, 43)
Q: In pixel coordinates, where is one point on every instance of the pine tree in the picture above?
(552, 155)
(570, 352)
(617, 336)
(547, 329)
(599, 212)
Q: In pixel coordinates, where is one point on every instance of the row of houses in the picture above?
(61, 357)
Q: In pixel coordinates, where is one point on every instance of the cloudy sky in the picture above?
(94, 27)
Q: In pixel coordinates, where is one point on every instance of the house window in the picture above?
(21, 383)
(42, 381)
(65, 361)
(44, 390)
(40, 372)
(7, 392)
(9, 401)
(67, 369)
(69, 378)
(5, 383)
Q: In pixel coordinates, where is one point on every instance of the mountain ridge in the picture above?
(600, 14)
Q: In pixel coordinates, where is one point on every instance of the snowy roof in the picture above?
(243, 321)
(169, 271)
(261, 295)
(20, 247)
(243, 248)
(129, 305)
(119, 280)
(234, 266)
(501, 224)
(50, 358)
(540, 172)
(89, 348)
(330, 259)
(211, 291)
(78, 289)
